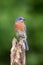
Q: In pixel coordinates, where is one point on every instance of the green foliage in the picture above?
(32, 10)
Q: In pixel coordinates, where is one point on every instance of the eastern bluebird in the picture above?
(20, 29)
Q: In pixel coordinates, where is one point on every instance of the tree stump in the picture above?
(17, 55)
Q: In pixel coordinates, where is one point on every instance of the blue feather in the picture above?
(19, 18)
(26, 46)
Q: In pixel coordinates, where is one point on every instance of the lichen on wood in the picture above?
(17, 56)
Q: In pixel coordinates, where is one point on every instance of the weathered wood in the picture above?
(17, 55)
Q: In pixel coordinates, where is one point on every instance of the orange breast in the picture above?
(19, 26)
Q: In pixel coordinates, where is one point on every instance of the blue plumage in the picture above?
(20, 33)
(19, 19)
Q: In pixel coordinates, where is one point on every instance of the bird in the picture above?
(20, 29)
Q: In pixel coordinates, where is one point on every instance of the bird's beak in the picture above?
(23, 19)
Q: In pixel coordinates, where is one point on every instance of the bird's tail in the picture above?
(26, 46)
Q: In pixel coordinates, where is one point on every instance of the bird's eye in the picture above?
(20, 19)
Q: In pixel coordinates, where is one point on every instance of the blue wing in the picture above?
(24, 26)
(26, 43)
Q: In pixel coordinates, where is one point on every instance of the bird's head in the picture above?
(20, 19)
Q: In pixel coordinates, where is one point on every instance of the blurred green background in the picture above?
(32, 11)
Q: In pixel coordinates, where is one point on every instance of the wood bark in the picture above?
(17, 56)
